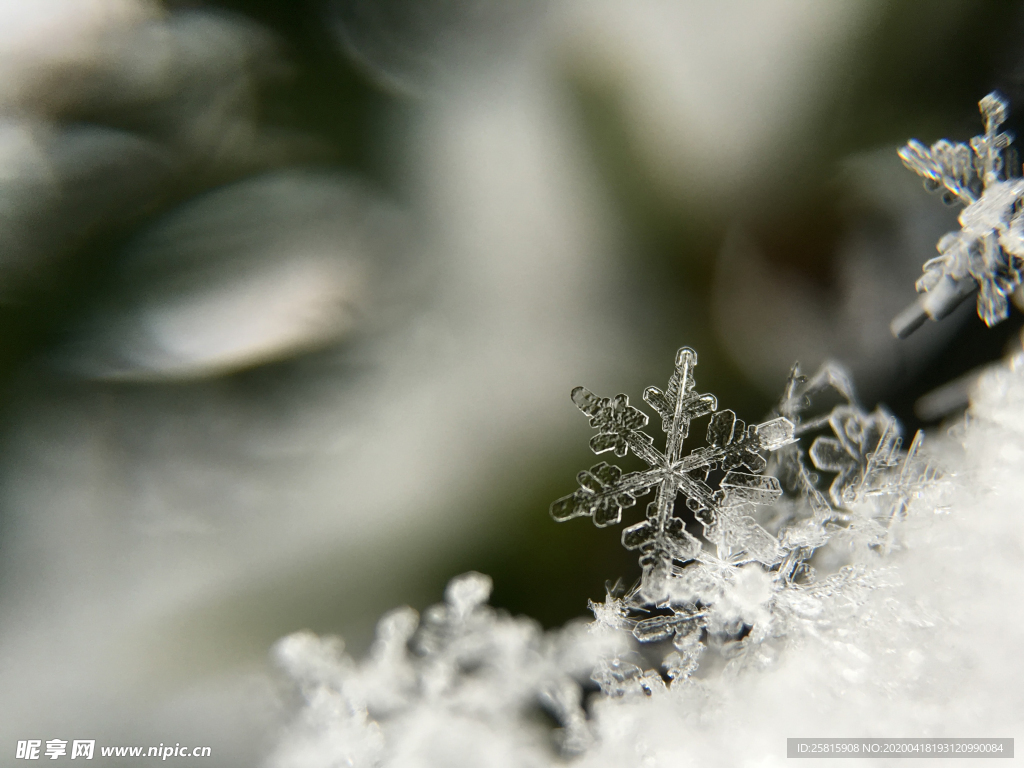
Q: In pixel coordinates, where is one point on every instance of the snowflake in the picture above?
(874, 480)
(987, 254)
(732, 448)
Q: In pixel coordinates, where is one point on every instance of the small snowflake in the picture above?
(862, 443)
(987, 254)
(872, 479)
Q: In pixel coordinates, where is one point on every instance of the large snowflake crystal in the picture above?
(987, 254)
(733, 449)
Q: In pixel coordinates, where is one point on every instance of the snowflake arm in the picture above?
(618, 423)
(603, 493)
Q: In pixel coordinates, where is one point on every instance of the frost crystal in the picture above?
(987, 254)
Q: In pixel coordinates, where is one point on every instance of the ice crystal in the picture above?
(873, 480)
(732, 448)
(987, 254)
(836, 476)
